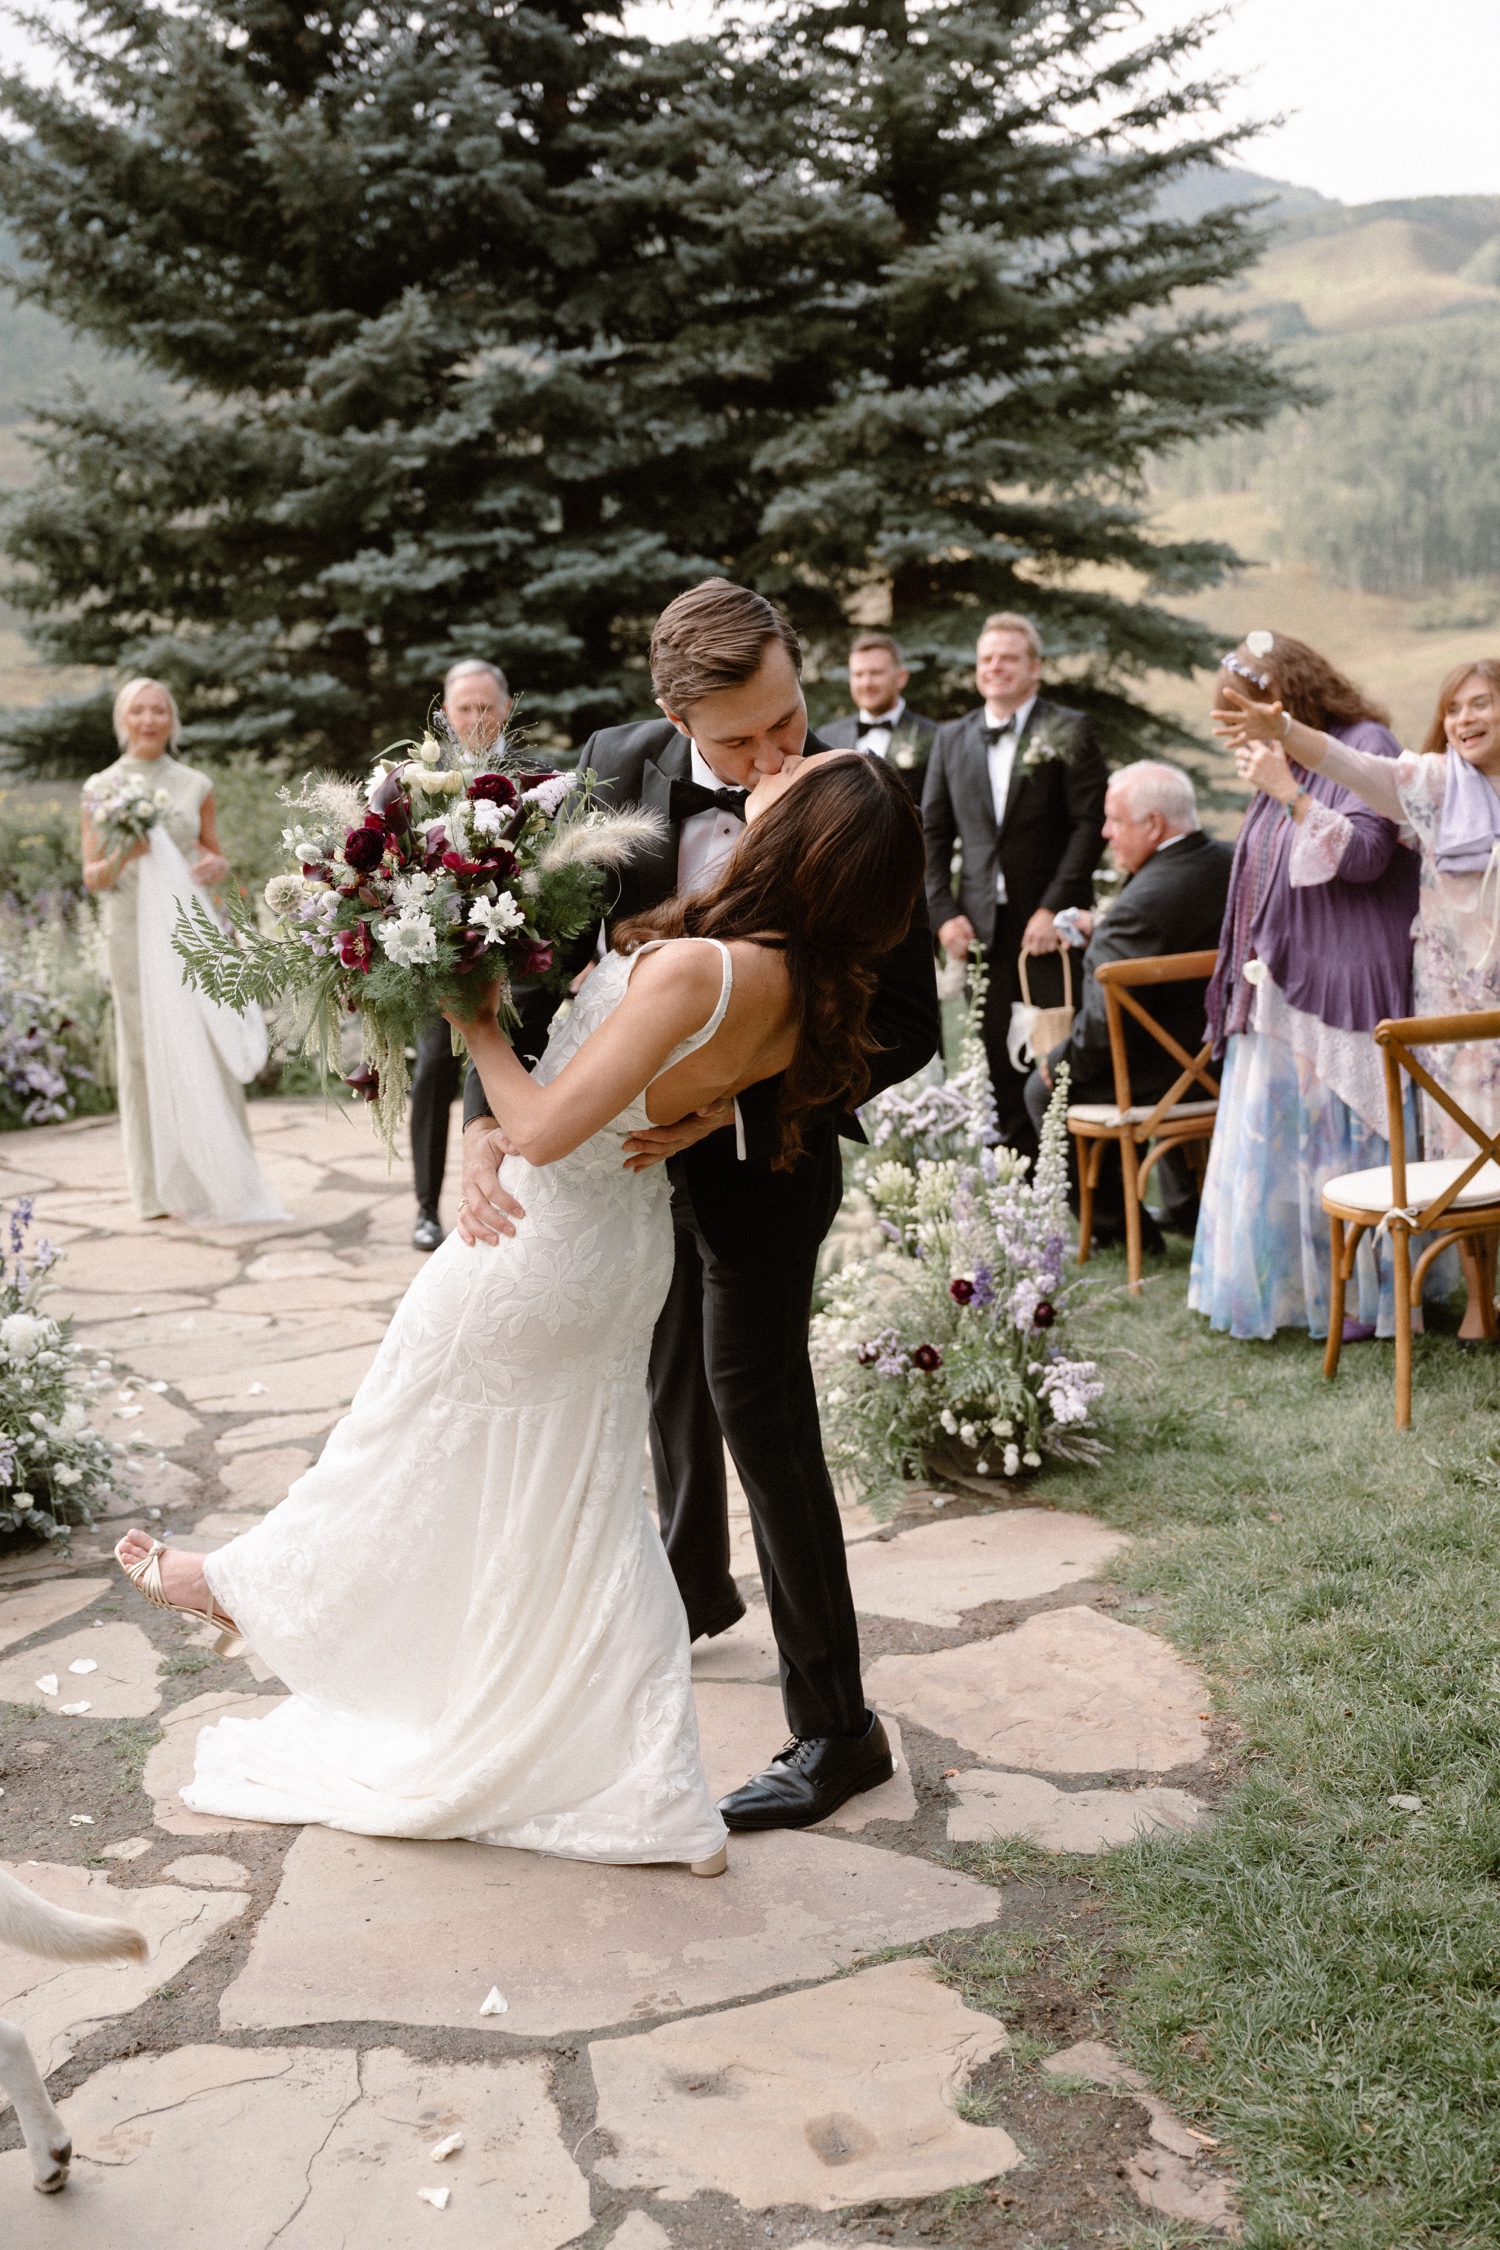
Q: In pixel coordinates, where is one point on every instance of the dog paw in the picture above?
(48, 2183)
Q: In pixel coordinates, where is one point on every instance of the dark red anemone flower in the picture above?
(928, 1358)
(961, 1291)
(1044, 1315)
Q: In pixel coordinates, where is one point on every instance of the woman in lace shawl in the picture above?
(1447, 797)
(1314, 951)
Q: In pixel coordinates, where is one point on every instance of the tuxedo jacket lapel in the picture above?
(1019, 773)
(653, 872)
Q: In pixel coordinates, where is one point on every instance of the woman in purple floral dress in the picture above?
(1447, 798)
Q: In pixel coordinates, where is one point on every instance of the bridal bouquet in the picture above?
(943, 1349)
(122, 808)
(447, 874)
(55, 1467)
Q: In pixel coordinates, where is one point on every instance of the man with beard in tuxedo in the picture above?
(729, 1358)
(884, 725)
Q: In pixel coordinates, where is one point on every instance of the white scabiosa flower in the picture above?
(412, 890)
(285, 893)
(497, 917)
(409, 938)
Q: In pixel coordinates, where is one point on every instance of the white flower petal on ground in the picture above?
(83, 1664)
(48, 1683)
(437, 2197)
(74, 1710)
(448, 2147)
(493, 2004)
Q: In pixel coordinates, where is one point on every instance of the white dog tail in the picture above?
(34, 1925)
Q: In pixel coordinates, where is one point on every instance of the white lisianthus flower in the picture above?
(65, 1475)
(429, 750)
(409, 939)
(1032, 1460)
(496, 917)
(22, 1335)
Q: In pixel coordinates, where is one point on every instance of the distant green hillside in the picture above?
(1392, 484)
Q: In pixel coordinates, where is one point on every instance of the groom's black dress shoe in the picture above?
(810, 1779)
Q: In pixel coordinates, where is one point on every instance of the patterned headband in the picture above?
(1231, 663)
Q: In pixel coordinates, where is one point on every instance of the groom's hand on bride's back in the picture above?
(655, 1143)
(486, 1212)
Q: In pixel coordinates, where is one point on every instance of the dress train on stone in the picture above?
(468, 1596)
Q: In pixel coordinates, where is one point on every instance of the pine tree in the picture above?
(492, 328)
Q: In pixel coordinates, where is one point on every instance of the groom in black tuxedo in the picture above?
(729, 1358)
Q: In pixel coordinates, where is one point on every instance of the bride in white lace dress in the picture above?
(467, 1595)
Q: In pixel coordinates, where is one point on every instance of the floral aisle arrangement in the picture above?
(945, 1348)
(122, 808)
(447, 875)
(55, 1468)
(39, 1073)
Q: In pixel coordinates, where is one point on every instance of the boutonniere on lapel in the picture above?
(1040, 750)
(904, 750)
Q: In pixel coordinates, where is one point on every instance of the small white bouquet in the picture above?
(122, 808)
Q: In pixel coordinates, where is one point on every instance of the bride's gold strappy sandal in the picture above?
(145, 1577)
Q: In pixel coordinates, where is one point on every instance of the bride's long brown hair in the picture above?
(834, 867)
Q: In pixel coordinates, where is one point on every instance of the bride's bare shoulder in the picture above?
(683, 967)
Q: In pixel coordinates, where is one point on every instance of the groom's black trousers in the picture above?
(729, 1356)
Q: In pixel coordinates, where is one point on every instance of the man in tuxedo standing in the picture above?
(729, 1359)
(884, 724)
(1019, 786)
(476, 704)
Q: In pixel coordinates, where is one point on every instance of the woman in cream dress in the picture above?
(181, 1063)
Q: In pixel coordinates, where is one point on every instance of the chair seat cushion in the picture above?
(1372, 1191)
(1106, 1114)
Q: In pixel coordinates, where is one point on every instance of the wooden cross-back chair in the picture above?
(1137, 1127)
(1451, 1198)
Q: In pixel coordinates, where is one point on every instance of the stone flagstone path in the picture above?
(351, 2040)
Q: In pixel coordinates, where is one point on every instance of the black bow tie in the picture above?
(992, 735)
(868, 726)
(689, 797)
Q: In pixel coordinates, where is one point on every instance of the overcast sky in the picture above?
(1380, 99)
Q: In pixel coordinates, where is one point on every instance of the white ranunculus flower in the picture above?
(496, 917)
(22, 1335)
(1012, 1459)
(410, 939)
(429, 750)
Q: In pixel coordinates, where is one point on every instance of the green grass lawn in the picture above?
(1317, 1976)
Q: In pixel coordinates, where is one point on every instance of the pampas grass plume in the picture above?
(602, 839)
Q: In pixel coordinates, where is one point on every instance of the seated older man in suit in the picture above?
(1019, 786)
(1172, 902)
(884, 724)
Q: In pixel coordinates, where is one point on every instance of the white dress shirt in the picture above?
(1002, 758)
(882, 725)
(705, 840)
